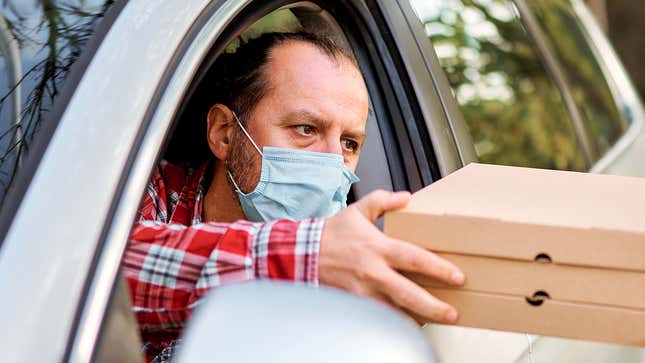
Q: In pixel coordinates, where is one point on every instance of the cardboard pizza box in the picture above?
(548, 245)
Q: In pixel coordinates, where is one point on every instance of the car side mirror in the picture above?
(268, 321)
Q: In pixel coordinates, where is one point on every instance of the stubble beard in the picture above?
(244, 163)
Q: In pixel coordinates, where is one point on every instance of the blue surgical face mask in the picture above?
(296, 184)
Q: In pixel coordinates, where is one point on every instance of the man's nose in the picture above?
(332, 145)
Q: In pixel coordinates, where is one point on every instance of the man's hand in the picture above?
(356, 256)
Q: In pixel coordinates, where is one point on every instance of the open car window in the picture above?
(306, 17)
(185, 112)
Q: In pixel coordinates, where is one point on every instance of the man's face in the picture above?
(313, 103)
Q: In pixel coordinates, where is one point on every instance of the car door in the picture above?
(67, 218)
(396, 136)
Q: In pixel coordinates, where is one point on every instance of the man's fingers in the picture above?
(408, 257)
(410, 296)
(373, 205)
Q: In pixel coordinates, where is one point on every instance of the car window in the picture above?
(182, 144)
(604, 123)
(286, 19)
(512, 108)
(39, 43)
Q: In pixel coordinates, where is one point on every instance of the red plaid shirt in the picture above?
(174, 258)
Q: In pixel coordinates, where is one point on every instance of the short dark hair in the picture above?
(241, 81)
(237, 80)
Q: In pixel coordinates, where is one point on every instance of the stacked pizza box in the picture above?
(544, 252)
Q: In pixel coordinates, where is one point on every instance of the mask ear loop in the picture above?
(230, 176)
(232, 180)
(246, 133)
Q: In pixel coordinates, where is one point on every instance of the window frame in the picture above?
(443, 118)
(207, 38)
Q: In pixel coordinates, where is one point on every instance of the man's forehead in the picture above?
(299, 62)
(299, 74)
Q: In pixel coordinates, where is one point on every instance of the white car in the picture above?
(92, 91)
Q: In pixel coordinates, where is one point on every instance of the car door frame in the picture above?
(109, 136)
(81, 241)
(66, 231)
(443, 118)
(218, 23)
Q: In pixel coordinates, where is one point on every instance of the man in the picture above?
(284, 134)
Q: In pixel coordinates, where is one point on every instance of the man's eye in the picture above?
(349, 145)
(305, 130)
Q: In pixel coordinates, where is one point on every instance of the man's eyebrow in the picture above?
(302, 115)
(356, 135)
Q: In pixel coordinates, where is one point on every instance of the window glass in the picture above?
(603, 122)
(511, 106)
(39, 42)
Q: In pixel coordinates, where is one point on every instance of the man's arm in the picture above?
(169, 267)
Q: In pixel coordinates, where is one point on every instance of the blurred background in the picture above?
(493, 64)
(494, 54)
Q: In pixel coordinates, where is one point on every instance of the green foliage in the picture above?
(512, 108)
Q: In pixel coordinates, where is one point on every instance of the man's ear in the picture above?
(219, 130)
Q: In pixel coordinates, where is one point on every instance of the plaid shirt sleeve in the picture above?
(169, 267)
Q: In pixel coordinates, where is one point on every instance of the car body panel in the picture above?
(61, 255)
(549, 349)
(214, 18)
(52, 242)
(630, 160)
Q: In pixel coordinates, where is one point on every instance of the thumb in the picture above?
(378, 202)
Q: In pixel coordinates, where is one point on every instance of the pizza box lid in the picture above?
(529, 214)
